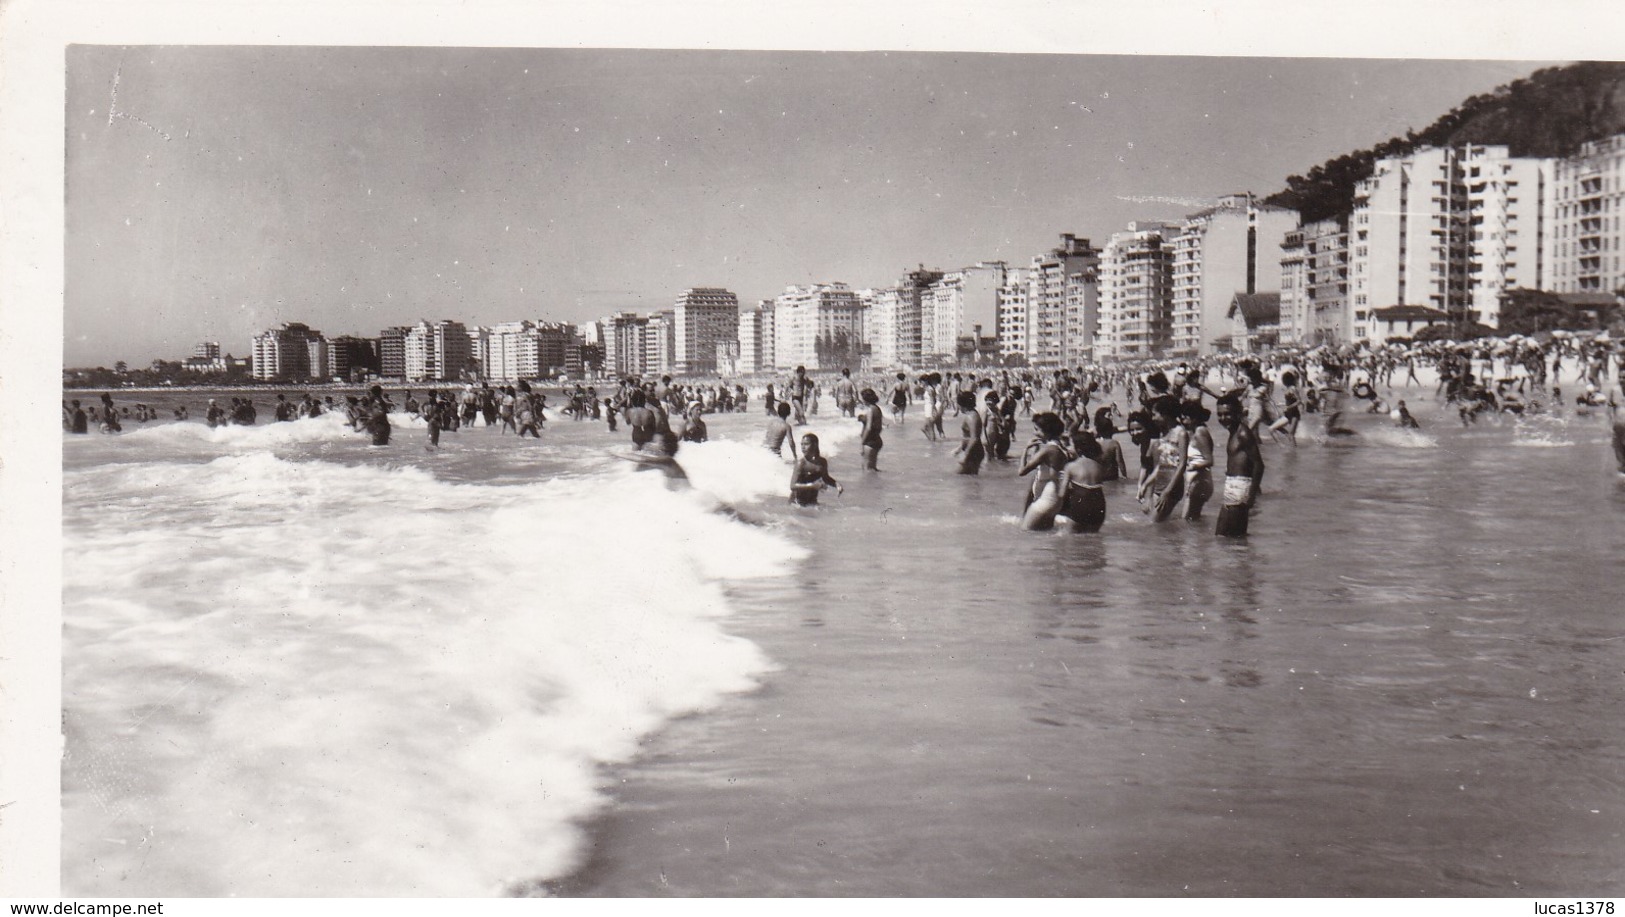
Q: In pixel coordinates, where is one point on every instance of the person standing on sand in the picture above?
(811, 474)
(870, 438)
(1243, 470)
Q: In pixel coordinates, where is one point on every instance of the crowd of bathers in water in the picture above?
(1074, 452)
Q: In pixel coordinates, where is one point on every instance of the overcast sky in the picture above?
(214, 192)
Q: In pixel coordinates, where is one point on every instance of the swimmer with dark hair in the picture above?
(811, 474)
(1243, 470)
(1083, 500)
(1047, 456)
(872, 422)
(970, 452)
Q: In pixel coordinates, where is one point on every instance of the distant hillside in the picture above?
(1549, 113)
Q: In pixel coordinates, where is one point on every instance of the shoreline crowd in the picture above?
(1172, 454)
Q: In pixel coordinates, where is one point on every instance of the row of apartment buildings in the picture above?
(1443, 231)
(438, 351)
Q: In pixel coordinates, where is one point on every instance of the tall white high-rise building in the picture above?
(437, 351)
(703, 317)
(1234, 247)
(1062, 309)
(1136, 292)
(660, 344)
(756, 338)
(1450, 229)
(511, 352)
(1315, 284)
(819, 326)
(1507, 207)
(1013, 314)
(1582, 247)
(624, 344)
(285, 353)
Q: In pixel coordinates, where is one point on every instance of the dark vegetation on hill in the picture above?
(1551, 112)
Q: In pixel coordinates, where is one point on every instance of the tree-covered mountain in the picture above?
(1551, 112)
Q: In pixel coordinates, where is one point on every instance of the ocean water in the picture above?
(298, 665)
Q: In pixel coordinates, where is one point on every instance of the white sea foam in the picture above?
(304, 678)
(1399, 437)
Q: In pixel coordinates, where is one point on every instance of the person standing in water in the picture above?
(1083, 500)
(641, 420)
(872, 422)
(1198, 458)
(1243, 470)
(1047, 457)
(811, 474)
(800, 388)
(899, 398)
(970, 452)
(1166, 485)
(778, 430)
(378, 417)
(846, 394)
(1616, 419)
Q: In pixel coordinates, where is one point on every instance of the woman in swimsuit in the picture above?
(1167, 483)
(1198, 458)
(1083, 500)
(1143, 432)
(811, 474)
(1047, 456)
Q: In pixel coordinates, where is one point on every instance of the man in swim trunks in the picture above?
(800, 388)
(872, 422)
(778, 430)
(846, 394)
(1243, 470)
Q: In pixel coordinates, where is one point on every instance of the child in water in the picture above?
(811, 474)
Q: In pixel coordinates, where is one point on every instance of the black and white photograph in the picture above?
(668, 469)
